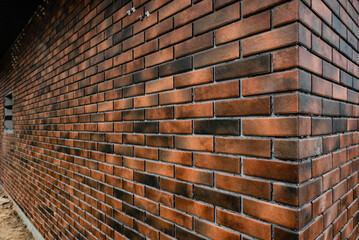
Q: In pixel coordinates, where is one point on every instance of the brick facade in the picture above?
(218, 119)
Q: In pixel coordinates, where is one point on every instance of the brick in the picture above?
(283, 216)
(194, 175)
(145, 75)
(243, 224)
(159, 113)
(321, 126)
(228, 90)
(286, 194)
(216, 19)
(143, 152)
(286, 58)
(213, 231)
(222, 3)
(309, 191)
(217, 162)
(330, 72)
(243, 28)
(217, 55)
(286, 13)
(177, 66)
(217, 198)
(192, 13)
(145, 101)
(133, 41)
(123, 58)
(194, 110)
(150, 21)
(297, 149)
(321, 48)
(246, 186)
(219, 127)
(194, 78)
(193, 45)
(283, 171)
(276, 82)
(322, 203)
(145, 230)
(241, 68)
(340, 92)
(159, 168)
(129, 20)
(134, 90)
(172, 8)
(133, 66)
(331, 178)
(339, 223)
(313, 230)
(159, 57)
(297, 103)
(122, 104)
(159, 223)
(250, 7)
(159, 85)
(180, 188)
(281, 126)
(122, 35)
(199, 209)
(249, 147)
(186, 234)
(280, 37)
(155, 4)
(184, 126)
(176, 36)
(283, 233)
(330, 214)
(320, 8)
(194, 143)
(309, 18)
(177, 96)
(145, 127)
(339, 190)
(243, 107)
(321, 165)
(159, 141)
(159, 196)
(173, 156)
(322, 87)
(159, 29)
(145, 49)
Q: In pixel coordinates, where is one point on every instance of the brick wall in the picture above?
(215, 119)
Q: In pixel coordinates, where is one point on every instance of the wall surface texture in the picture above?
(212, 119)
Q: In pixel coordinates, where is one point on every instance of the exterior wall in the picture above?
(216, 119)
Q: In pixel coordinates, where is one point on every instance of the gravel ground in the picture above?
(11, 226)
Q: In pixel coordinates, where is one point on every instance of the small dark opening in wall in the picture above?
(8, 112)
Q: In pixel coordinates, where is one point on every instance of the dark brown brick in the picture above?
(216, 19)
(218, 127)
(177, 66)
(242, 68)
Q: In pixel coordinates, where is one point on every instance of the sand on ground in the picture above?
(11, 226)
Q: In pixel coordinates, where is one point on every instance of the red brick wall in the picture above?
(216, 119)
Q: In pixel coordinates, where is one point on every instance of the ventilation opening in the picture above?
(8, 112)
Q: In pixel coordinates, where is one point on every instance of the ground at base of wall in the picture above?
(11, 226)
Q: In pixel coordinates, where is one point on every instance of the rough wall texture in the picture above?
(213, 119)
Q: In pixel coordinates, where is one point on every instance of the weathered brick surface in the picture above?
(210, 119)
